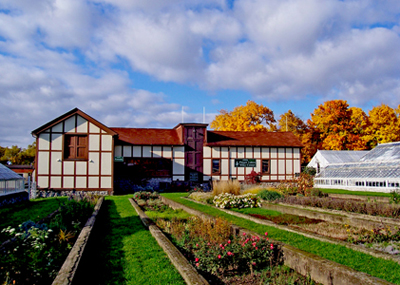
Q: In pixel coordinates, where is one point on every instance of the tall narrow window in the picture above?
(75, 147)
(216, 166)
(265, 166)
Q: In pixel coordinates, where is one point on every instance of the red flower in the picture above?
(229, 241)
(272, 246)
(266, 233)
(254, 263)
(196, 260)
(197, 245)
(244, 234)
(197, 264)
(219, 256)
(230, 253)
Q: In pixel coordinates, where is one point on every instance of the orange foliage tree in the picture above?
(384, 125)
(252, 117)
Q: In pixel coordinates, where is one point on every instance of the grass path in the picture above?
(384, 269)
(122, 251)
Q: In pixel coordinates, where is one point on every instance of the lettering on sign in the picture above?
(245, 162)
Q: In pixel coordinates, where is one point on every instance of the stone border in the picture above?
(335, 216)
(71, 263)
(319, 269)
(360, 198)
(189, 274)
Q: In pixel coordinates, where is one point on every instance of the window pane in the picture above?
(215, 166)
(265, 166)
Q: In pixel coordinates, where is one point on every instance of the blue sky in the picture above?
(139, 63)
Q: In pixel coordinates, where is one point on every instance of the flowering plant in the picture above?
(243, 253)
(144, 195)
(227, 201)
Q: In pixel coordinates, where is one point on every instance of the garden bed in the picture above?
(325, 271)
(35, 251)
(219, 256)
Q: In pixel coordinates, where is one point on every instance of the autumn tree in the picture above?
(17, 155)
(334, 127)
(384, 125)
(252, 117)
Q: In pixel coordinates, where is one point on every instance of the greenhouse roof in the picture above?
(8, 174)
(383, 152)
(362, 170)
(340, 156)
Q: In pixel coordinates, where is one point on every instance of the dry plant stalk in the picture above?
(226, 186)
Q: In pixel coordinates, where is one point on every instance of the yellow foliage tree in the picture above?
(384, 125)
(252, 117)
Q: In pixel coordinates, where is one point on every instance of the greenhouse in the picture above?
(10, 182)
(378, 170)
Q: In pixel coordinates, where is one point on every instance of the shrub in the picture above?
(144, 195)
(227, 201)
(269, 195)
(226, 186)
(201, 196)
(315, 192)
(395, 196)
(252, 178)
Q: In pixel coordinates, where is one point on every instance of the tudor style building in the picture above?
(76, 152)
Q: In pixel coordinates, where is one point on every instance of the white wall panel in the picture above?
(81, 167)
(147, 151)
(274, 177)
(70, 125)
(68, 182)
(43, 182)
(57, 128)
(240, 151)
(106, 143)
(215, 152)
(224, 178)
(265, 152)
(207, 166)
(94, 182)
(43, 163)
(106, 182)
(137, 151)
(289, 167)
(118, 150)
(224, 166)
(248, 170)
(224, 152)
(281, 152)
(257, 152)
(44, 141)
(156, 151)
(179, 151)
(281, 177)
(94, 142)
(296, 153)
(178, 166)
(56, 143)
(274, 166)
(55, 164)
(93, 128)
(258, 165)
(167, 153)
(233, 152)
(69, 168)
(249, 152)
(281, 169)
(206, 151)
(106, 162)
(94, 163)
(55, 182)
(80, 182)
(241, 178)
(289, 152)
(82, 125)
(297, 166)
(240, 170)
(127, 151)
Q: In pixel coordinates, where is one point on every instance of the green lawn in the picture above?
(358, 193)
(388, 270)
(122, 251)
(35, 210)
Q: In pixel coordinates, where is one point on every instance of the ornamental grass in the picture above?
(226, 186)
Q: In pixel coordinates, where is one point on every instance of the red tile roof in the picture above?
(148, 136)
(277, 139)
(214, 138)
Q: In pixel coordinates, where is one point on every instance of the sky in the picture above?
(151, 63)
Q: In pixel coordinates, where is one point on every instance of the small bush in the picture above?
(201, 196)
(227, 201)
(226, 186)
(395, 196)
(269, 195)
(144, 195)
(252, 178)
(315, 192)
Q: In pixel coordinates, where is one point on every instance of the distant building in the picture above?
(10, 182)
(77, 152)
(378, 170)
(323, 158)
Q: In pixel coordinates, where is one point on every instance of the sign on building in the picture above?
(245, 162)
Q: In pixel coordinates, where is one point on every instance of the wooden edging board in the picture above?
(71, 263)
(319, 269)
(187, 271)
